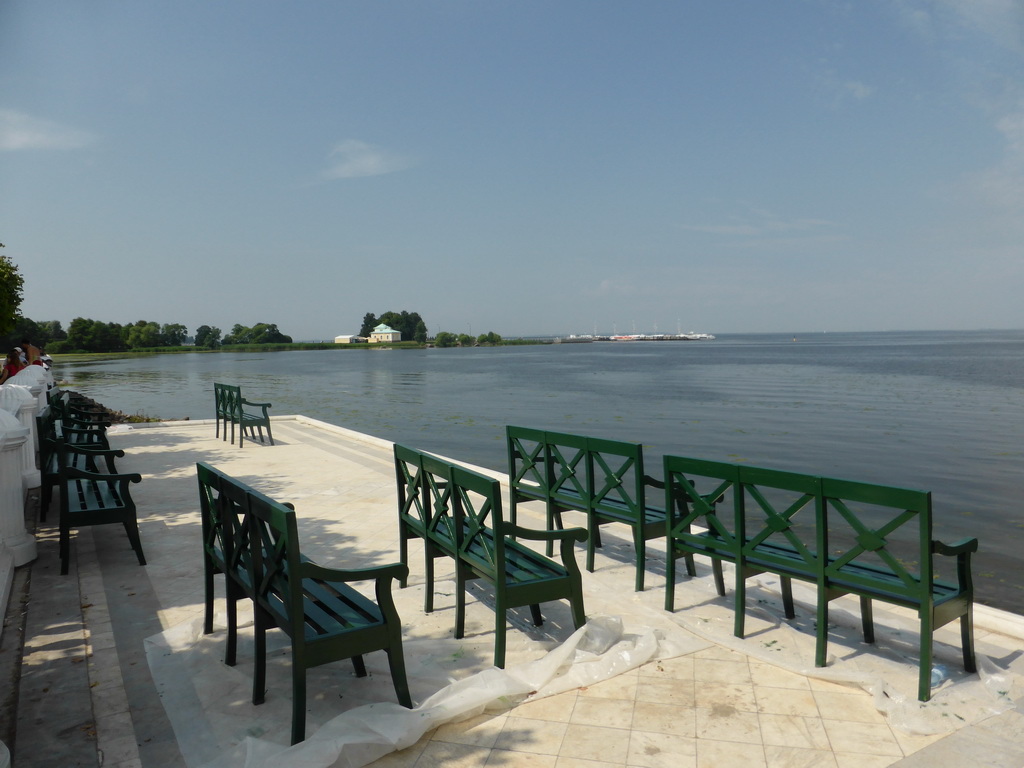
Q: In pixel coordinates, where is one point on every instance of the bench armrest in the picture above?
(256, 405)
(311, 570)
(964, 546)
(962, 550)
(532, 534)
(653, 482)
(131, 477)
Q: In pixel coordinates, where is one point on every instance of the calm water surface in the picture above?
(939, 411)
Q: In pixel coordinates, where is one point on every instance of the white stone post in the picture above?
(18, 401)
(37, 379)
(12, 494)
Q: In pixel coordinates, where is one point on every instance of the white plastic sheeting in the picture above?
(352, 722)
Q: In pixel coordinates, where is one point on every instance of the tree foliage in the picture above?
(369, 323)
(207, 337)
(406, 323)
(261, 333)
(11, 283)
(445, 339)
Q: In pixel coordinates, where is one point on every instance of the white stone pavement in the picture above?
(90, 693)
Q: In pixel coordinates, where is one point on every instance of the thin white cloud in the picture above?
(758, 222)
(20, 131)
(352, 159)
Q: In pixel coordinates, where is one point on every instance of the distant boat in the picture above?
(574, 339)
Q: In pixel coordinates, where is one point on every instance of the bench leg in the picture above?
(579, 616)
(538, 620)
(403, 554)
(208, 594)
(298, 700)
(641, 563)
(131, 527)
(359, 666)
(460, 601)
(967, 639)
(716, 568)
(259, 676)
(821, 643)
(428, 590)
(740, 617)
(232, 609)
(924, 684)
(787, 597)
(499, 634)
(396, 661)
(867, 620)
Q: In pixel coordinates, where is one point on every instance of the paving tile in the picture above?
(792, 757)
(506, 759)
(725, 754)
(862, 738)
(727, 723)
(590, 742)
(718, 671)
(661, 750)
(737, 695)
(777, 677)
(664, 718)
(854, 707)
(792, 731)
(786, 701)
(480, 731)
(611, 713)
(521, 734)
(557, 708)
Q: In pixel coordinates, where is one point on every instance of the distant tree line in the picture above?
(86, 335)
(445, 339)
(409, 324)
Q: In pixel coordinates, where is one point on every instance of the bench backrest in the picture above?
(778, 521)
(708, 495)
(616, 476)
(228, 399)
(578, 472)
(478, 521)
(277, 569)
(874, 527)
(527, 459)
(425, 497)
(835, 532)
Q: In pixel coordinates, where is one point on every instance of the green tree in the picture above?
(445, 339)
(267, 333)
(420, 335)
(465, 340)
(369, 323)
(94, 336)
(11, 284)
(207, 337)
(173, 334)
(240, 334)
(142, 335)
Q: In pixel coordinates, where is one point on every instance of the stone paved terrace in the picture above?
(87, 695)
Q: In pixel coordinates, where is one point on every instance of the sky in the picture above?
(527, 167)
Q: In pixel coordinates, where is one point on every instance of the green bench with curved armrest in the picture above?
(464, 521)
(604, 479)
(232, 409)
(847, 538)
(253, 540)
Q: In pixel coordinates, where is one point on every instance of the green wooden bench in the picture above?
(93, 498)
(253, 540)
(845, 537)
(462, 519)
(53, 448)
(231, 410)
(604, 479)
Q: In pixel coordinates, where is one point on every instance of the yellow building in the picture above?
(384, 333)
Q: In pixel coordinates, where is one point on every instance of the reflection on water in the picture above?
(938, 411)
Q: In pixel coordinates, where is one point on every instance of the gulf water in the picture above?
(940, 411)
